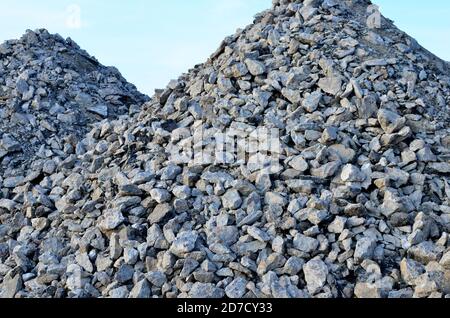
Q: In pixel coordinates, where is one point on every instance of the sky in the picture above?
(154, 41)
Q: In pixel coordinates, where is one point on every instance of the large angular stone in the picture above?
(316, 273)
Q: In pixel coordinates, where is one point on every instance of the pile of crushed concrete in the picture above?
(308, 157)
(51, 91)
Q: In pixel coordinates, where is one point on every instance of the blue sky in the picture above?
(153, 41)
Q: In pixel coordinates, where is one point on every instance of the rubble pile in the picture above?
(51, 91)
(308, 157)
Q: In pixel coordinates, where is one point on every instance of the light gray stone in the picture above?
(365, 248)
(184, 243)
(255, 68)
(305, 244)
(316, 273)
(159, 213)
(111, 220)
(232, 200)
(141, 290)
(236, 289)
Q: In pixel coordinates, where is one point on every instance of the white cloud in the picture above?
(73, 17)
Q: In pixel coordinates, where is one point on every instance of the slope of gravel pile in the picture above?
(50, 92)
(358, 206)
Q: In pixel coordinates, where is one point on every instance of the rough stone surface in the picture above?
(316, 272)
(106, 193)
(50, 91)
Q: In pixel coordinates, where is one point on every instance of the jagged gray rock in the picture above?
(349, 198)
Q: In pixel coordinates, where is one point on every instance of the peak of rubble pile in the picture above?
(358, 204)
(51, 91)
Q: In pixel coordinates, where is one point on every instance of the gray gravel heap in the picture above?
(51, 91)
(359, 205)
